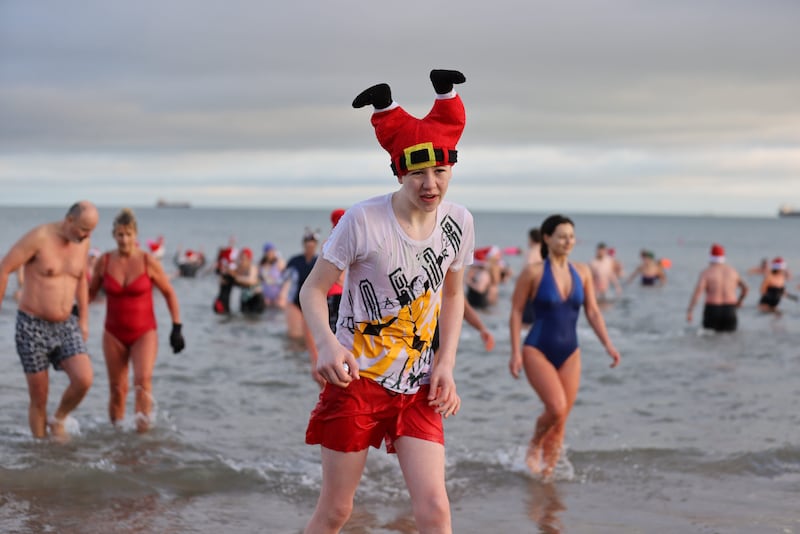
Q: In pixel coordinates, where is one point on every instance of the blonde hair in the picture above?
(125, 218)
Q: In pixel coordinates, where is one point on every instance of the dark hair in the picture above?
(535, 235)
(75, 210)
(549, 226)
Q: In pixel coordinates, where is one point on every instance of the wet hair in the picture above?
(125, 218)
(535, 235)
(549, 226)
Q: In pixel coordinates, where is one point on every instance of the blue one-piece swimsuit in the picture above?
(554, 331)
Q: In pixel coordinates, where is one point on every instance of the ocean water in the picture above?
(693, 432)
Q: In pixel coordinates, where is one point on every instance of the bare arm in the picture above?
(18, 255)
(743, 289)
(82, 295)
(332, 355)
(161, 281)
(594, 316)
(615, 282)
(699, 289)
(633, 275)
(474, 320)
(443, 394)
(97, 277)
(526, 285)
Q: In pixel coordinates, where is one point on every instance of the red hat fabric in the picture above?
(416, 143)
(336, 215)
(778, 264)
(717, 253)
(248, 253)
(481, 254)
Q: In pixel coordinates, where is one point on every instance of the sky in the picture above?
(597, 106)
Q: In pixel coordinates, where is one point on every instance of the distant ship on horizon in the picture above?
(163, 203)
(788, 211)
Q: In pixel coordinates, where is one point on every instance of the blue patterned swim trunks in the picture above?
(40, 342)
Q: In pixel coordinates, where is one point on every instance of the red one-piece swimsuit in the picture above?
(129, 308)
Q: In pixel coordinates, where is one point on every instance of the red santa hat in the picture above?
(335, 216)
(717, 254)
(155, 244)
(778, 264)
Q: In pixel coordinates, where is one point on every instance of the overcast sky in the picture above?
(680, 106)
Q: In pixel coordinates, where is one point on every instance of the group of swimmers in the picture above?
(385, 362)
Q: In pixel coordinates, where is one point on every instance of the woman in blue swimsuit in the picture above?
(550, 354)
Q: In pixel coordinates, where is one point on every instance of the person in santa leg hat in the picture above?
(404, 254)
(718, 282)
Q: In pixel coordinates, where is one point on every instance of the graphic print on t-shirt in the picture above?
(394, 339)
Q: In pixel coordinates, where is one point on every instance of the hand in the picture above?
(614, 353)
(689, 316)
(336, 365)
(443, 396)
(176, 338)
(515, 365)
(488, 340)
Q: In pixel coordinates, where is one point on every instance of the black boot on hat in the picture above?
(443, 80)
(379, 96)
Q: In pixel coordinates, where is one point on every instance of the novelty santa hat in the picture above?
(778, 264)
(416, 143)
(717, 254)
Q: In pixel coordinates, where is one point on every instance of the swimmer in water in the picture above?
(718, 282)
(773, 287)
(650, 271)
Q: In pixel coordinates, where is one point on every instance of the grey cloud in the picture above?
(203, 74)
(148, 79)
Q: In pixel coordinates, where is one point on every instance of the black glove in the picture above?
(176, 338)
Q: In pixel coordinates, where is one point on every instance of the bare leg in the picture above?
(423, 468)
(341, 473)
(117, 357)
(143, 355)
(557, 390)
(294, 321)
(38, 387)
(552, 445)
(79, 371)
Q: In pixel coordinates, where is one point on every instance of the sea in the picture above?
(694, 432)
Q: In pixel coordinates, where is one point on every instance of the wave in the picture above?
(492, 469)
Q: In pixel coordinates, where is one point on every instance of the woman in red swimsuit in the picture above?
(128, 275)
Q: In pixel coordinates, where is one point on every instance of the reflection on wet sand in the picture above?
(545, 507)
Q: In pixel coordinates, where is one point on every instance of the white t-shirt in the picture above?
(393, 287)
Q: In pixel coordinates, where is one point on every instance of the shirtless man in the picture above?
(719, 282)
(603, 275)
(54, 257)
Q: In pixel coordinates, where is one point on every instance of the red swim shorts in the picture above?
(364, 413)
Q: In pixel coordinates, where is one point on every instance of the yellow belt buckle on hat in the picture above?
(428, 147)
